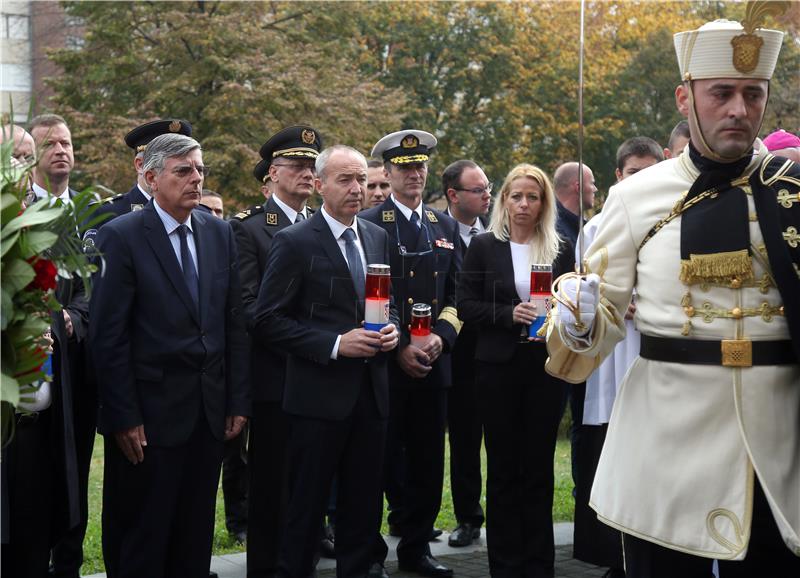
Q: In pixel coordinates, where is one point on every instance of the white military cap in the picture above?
(405, 147)
(726, 49)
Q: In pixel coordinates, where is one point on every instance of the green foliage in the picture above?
(37, 243)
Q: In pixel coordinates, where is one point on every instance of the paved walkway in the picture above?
(470, 562)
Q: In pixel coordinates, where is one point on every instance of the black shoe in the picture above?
(435, 533)
(427, 566)
(463, 535)
(377, 571)
(327, 548)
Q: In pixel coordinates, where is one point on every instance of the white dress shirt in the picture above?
(288, 211)
(406, 211)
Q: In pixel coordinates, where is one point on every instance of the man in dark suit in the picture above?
(469, 194)
(51, 176)
(288, 161)
(311, 305)
(171, 361)
(425, 258)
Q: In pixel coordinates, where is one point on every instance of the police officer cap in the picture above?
(405, 147)
(261, 171)
(292, 142)
(141, 136)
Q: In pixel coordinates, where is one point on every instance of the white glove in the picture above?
(587, 302)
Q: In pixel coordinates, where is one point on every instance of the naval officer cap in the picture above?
(728, 49)
(140, 137)
(405, 147)
(300, 141)
(261, 171)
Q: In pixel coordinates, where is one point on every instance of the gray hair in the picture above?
(167, 146)
(322, 160)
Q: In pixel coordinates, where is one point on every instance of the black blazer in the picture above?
(307, 299)
(159, 362)
(487, 294)
(255, 230)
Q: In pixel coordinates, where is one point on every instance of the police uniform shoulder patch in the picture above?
(431, 216)
(272, 218)
(388, 216)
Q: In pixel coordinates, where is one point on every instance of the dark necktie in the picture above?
(414, 219)
(299, 217)
(473, 231)
(354, 261)
(187, 264)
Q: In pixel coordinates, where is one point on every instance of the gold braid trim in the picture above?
(716, 267)
(450, 314)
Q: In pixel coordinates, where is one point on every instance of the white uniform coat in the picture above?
(685, 441)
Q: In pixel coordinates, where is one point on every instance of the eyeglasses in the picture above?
(184, 171)
(297, 166)
(402, 248)
(478, 190)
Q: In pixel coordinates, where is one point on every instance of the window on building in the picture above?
(15, 26)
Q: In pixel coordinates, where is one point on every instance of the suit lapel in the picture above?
(505, 266)
(156, 236)
(205, 258)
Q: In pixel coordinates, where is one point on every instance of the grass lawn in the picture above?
(563, 503)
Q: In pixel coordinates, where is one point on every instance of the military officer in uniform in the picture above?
(425, 258)
(700, 461)
(288, 160)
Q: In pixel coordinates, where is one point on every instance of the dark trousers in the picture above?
(767, 555)
(68, 552)
(595, 542)
(416, 423)
(158, 516)
(465, 433)
(235, 483)
(352, 449)
(521, 412)
(267, 461)
(28, 471)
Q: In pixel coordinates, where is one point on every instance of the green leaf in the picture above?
(9, 389)
(33, 216)
(7, 309)
(10, 207)
(39, 241)
(8, 242)
(17, 275)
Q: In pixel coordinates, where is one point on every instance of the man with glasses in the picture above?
(425, 258)
(170, 353)
(469, 194)
(287, 160)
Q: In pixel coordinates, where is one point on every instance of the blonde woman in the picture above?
(521, 404)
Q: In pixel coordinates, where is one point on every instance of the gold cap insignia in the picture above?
(431, 217)
(410, 142)
(272, 218)
(308, 136)
(388, 216)
(747, 46)
(175, 126)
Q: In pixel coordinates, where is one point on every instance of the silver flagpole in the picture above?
(581, 248)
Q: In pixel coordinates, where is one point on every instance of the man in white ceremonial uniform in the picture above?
(701, 458)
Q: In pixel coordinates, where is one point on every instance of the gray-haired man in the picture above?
(171, 361)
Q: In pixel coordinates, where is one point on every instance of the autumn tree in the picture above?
(237, 71)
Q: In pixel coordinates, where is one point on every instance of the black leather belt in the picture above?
(728, 352)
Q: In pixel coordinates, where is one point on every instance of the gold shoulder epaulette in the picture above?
(242, 215)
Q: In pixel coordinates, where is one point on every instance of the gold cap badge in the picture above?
(175, 126)
(410, 142)
(747, 46)
(308, 136)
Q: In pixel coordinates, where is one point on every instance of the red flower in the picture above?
(46, 273)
